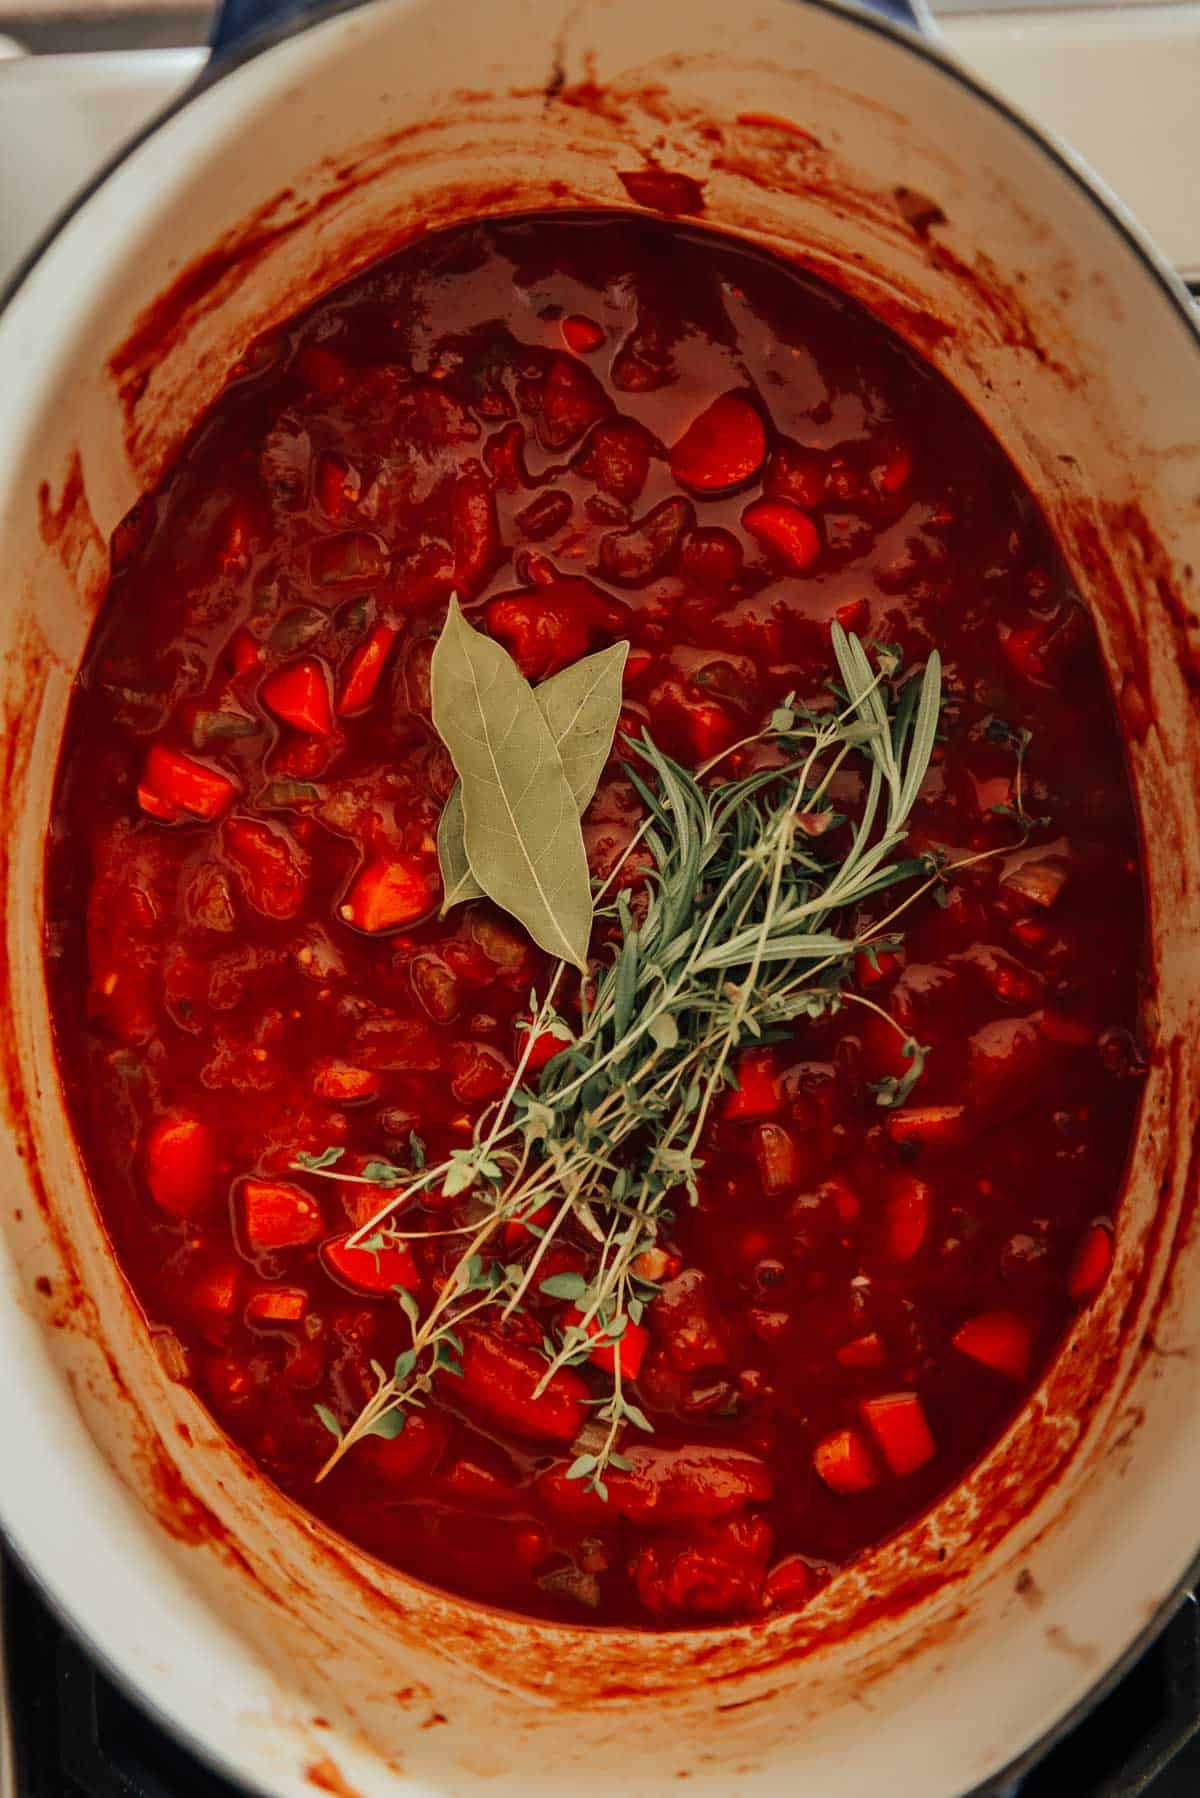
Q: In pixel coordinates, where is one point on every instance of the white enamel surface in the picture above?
(925, 1703)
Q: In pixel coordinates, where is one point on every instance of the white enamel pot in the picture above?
(944, 1659)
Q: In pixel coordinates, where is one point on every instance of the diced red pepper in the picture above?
(1022, 651)
(516, 1233)
(789, 1584)
(174, 786)
(872, 969)
(1093, 1258)
(273, 1214)
(299, 694)
(416, 1451)
(906, 1217)
(628, 1350)
(932, 1126)
(711, 730)
(778, 1158)
(336, 485)
(390, 892)
(343, 1084)
(845, 1463)
(546, 1045)
(181, 1165)
(371, 1270)
(855, 617)
(789, 534)
(998, 1339)
(363, 671)
(724, 447)
(279, 1305)
(582, 334)
(499, 1377)
(897, 1422)
(757, 1093)
(863, 1351)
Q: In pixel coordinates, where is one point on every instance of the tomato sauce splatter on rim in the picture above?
(590, 428)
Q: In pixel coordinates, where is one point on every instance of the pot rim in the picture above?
(1005, 1781)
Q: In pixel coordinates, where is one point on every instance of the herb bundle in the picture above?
(741, 930)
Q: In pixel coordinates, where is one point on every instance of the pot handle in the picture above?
(238, 22)
(915, 14)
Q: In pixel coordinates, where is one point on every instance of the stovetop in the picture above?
(74, 1734)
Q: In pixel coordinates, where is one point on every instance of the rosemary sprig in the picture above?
(741, 934)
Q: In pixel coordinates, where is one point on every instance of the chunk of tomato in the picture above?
(626, 1352)
(897, 1422)
(299, 694)
(175, 786)
(785, 531)
(181, 1165)
(1000, 1340)
(845, 1463)
(906, 1217)
(363, 671)
(757, 1092)
(274, 1214)
(391, 891)
(376, 1270)
(1093, 1258)
(724, 447)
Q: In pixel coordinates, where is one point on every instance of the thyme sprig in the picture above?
(741, 930)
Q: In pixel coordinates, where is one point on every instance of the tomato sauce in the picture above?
(589, 427)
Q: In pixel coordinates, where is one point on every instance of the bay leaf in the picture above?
(581, 704)
(458, 882)
(521, 823)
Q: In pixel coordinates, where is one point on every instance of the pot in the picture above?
(946, 1657)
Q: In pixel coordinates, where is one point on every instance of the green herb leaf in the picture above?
(316, 1163)
(408, 1305)
(564, 1286)
(404, 1366)
(383, 1173)
(388, 1425)
(329, 1420)
(458, 882)
(581, 705)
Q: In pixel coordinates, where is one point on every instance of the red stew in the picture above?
(589, 427)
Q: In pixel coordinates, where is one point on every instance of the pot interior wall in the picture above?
(812, 132)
